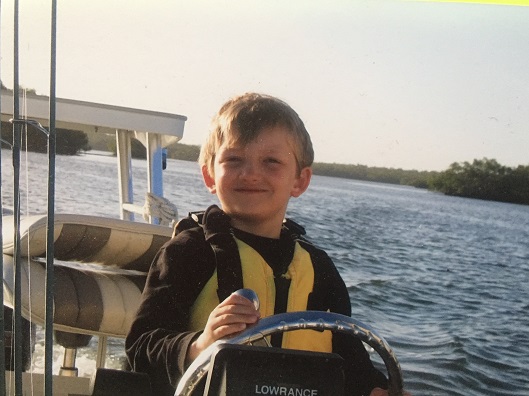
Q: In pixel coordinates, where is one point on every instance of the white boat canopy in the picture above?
(155, 130)
(102, 118)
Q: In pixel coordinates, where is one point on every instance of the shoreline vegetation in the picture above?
(484, 179)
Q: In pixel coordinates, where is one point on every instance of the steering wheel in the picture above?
(314, 320)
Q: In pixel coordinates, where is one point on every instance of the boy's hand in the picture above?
(230, 317)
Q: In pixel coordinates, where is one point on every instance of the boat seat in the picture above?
(89, 239)
(100, 270)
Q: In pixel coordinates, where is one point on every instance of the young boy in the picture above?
(256, 157)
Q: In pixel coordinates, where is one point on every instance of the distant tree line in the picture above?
(484, 179)
(68, 142)
(375, 174)
(184, 152)
(358, 172)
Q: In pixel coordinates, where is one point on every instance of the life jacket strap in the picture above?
(216, 226)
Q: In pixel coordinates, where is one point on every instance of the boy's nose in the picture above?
(249, 169)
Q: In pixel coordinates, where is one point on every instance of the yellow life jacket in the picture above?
(258, 275)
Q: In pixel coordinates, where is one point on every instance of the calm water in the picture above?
(444, 280)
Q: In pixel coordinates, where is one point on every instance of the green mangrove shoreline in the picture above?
(481, 179)
(484, 179)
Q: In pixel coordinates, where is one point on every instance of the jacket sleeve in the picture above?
(158, 340)
(330, 293)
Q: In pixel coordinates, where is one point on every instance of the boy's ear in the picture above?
(209, 180)
(302, 182)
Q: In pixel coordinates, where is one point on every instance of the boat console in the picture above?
(253, 370)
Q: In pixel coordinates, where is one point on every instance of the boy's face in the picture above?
(255, 182)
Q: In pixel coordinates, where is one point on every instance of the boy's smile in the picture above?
(255, 182)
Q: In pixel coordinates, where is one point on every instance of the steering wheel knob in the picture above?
(250, 295)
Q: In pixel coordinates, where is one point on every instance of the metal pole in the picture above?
(50, 279)
(17, 311)
(2, 318)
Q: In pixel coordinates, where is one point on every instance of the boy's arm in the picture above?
(158, 340)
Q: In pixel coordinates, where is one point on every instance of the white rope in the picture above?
(160, 208)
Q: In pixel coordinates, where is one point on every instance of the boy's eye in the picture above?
(272, 160)
(232, 158)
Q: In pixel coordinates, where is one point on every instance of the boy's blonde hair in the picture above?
(241, 119)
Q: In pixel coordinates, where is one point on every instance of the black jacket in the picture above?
(158, 339)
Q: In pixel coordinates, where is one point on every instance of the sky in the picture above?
(389, 83)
